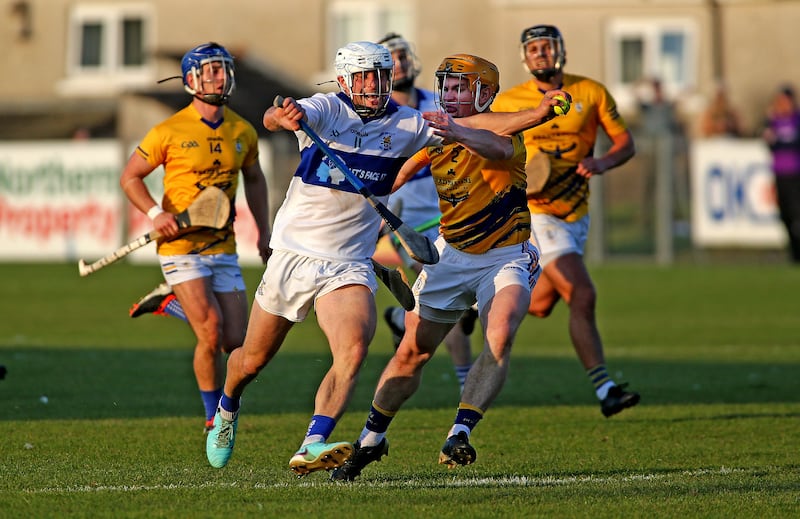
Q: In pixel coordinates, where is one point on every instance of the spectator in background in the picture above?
(663, 143)
(659, 115)
(720, 118)
(782, 135)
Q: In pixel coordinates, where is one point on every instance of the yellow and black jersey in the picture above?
(197, 153)
(482, 201)
(566, 140)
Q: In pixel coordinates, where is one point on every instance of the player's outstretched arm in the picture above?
(482, 142)
(509, 123)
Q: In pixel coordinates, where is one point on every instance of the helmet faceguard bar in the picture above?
(557, 51)
(469, 81)
(470, 72)
(362, 98)
(366, 72)
(202, 64)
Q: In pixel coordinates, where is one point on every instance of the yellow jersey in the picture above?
(566, 140)
(197, 153)
(482, 201)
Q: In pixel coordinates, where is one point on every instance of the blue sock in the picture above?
(378, 419)
(374, 430)
(461, 373)
(319, 429)
(600, 380)
(468, 416)
(210, 401)
(227, 403)
(174, 308)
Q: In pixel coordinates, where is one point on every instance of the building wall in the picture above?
(758, 40)
(760, 45)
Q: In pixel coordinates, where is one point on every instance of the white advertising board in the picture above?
(61, 201)
(733, 195)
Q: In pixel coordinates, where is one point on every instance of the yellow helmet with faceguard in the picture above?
(477, 72)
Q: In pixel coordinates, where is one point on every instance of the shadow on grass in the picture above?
(107, 384)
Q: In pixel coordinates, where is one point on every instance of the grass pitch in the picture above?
(101, 418)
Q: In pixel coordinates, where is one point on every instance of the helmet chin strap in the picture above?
(545, 75)
(212, 99)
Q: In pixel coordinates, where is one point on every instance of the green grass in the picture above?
(714, 350)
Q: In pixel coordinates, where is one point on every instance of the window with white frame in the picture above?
(640, 50)
(364, 20)
(107, 48)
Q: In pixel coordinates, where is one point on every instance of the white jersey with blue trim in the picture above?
(323, 215)
(418, 199)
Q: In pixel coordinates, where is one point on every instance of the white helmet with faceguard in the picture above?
(556, 49)
(217, 57)
(367, 62)
(476, 74)
(407, 66)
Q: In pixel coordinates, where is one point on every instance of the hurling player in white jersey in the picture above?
(323, 237)
(417, 204)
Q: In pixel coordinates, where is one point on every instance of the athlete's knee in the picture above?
(541, 308)
(411, 356)
(498, 344)
(540, 311)
(348, 359)
(232, 340)
(209, 341)
(252, 363)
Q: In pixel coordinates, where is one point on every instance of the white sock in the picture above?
(602, 391)
(370, 438)
(457, 428)
(227, 415)
(314, 438)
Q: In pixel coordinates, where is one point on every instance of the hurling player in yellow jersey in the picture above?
(204, 144)
(485, 256)
(560, 155)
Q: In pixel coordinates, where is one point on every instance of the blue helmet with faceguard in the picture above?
(215, 55)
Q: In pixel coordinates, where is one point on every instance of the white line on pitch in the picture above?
(508, 481)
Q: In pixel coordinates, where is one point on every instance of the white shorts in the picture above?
(223, 269)
(554, 237)
(444, 290)
(291, 283)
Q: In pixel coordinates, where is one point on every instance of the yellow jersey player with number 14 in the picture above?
(205, 144)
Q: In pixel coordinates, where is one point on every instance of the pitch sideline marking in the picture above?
(509, 481)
